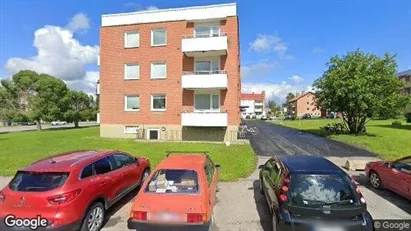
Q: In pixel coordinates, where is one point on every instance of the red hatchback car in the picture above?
(70, 191)
(392, 175)
(179, 195)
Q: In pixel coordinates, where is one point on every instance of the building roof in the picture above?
(195, 13)
(253, 96)
(309, 164)
(300, 96)
(404, 73)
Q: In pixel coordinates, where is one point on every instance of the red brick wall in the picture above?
(308, 101)
(113, 87)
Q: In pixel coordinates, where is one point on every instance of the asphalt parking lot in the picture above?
(240, 207)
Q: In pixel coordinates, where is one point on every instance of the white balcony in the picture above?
(98, 60)
(98, 88)
(258, 104)
(258, 109)
(204, 80)
(204, 119)
(216, 45)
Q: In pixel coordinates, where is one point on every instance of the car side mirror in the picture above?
(217, 166)
(388, 165)
(261, 167)
(137, 160)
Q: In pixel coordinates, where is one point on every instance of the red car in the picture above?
(391, 175)
(179, 195)
(70, 191)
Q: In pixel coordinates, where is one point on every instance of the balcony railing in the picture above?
(204, 45)
(217, 118)
(216, 79)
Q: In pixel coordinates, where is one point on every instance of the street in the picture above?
(240, 205)
(22, 128)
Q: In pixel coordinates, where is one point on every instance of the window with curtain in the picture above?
(131, 39)
(207, 102)
(158, 70)
(131, 71)
(132, 103)
(158, 102)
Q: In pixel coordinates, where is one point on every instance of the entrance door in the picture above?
(153, 134)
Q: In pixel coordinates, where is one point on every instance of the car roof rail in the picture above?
(168, 153)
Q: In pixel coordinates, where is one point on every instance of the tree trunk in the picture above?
(76, 124)
(38, 125)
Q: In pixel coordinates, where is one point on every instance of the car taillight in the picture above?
(283, 198)
(287, 180)
(64, 198)
(2, 196)
(139, 215)
(196, 217)
(284, 189)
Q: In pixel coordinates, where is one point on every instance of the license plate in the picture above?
(329, 228)
(167, 217)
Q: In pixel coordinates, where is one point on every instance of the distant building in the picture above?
(405, 76)
(254, 105)
(304, 103)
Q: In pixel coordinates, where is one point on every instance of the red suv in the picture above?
(70, 191)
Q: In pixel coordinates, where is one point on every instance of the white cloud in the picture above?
(270, 43)
(138, 7)
(317, 50)
(58, 54)
(297, 79)
(274, 91)
(88, 84)
(258, 69)
(79, 22)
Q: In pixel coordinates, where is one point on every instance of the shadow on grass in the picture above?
(319, 132)
(67, 128)
(392, 197)
(404, 127)
(111, 220)
(262, 207)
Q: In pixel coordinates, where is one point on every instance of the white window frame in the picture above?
(126, 132)
(210, 25)
(125, 39)
(152, 37)
(210, 59)
(211, 93)
(153, 129)
(125, 103)
(125, 71)
(152, 98)
(151, 70)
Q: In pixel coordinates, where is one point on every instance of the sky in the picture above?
(284, 45)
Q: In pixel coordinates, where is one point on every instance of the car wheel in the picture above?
(274, 221)
(93, 221)
(144, 176)
(375, 180)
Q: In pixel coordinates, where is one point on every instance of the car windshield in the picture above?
(38, 181)
(319, 190)
(173, 181)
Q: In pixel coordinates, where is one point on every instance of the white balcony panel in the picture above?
(258, 104)
(206, 46)
(258, 110)
(197, 119)
(98, 89)
(212, 81)
(98, 60)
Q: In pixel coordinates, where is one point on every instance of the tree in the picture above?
(288, 105)
(47, 104)
(274, 108)
(360, 86)
(79, 107)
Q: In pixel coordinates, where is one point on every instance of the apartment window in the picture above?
(153, 134)
(131, 71)
(207, 67)
(158, 70)
(158, 102)
(131, 39)
(158, 37)
(132, 103)
(206, 31)
(207, 102)
(131, 129)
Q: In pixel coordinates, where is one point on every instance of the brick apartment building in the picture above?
(304, 103)
(254, 104)
(406, 77)
(170, 74)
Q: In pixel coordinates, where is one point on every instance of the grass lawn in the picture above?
(384, 140)
(22, 148)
